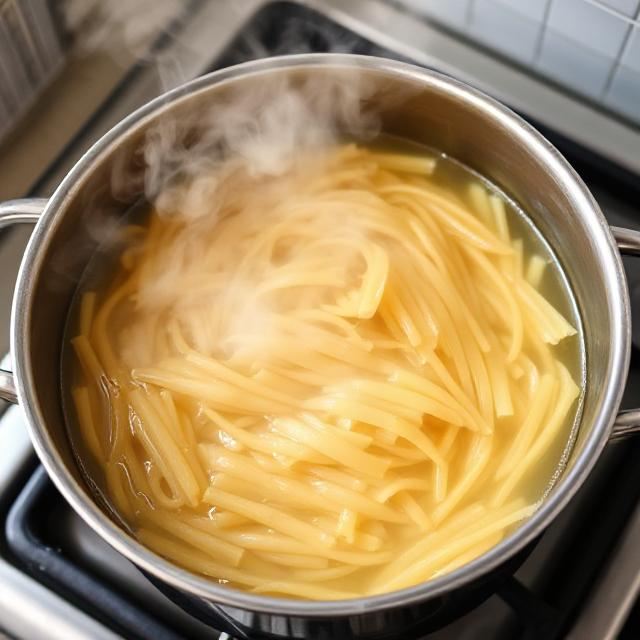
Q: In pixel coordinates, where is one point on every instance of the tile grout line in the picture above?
(632, 20)
(543, 30)
(618, 63)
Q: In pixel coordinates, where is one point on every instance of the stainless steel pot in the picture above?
(439, 112)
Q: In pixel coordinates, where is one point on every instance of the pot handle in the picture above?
(28, 210)
(627, 421)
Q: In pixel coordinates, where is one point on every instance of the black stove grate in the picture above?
(572, 556)
(29, 532)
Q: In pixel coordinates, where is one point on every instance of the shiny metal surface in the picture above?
(7, 388)
(627, 422)
(27, 210)
(440, 112)
(628, 241)
(15, 212)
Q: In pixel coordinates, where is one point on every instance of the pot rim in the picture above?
(80, 498)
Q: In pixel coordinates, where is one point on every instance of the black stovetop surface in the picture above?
(544, 597)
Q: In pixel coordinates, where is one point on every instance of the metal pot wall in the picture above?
(436, 111)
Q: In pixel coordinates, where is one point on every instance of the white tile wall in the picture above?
(624, 93)
(574, 42)
(588, 25)
(497, 24)
(631, 55)
(573, 65)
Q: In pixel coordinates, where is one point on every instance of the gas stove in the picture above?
(59, 580)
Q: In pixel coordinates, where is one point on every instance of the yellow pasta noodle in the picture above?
(341, 382)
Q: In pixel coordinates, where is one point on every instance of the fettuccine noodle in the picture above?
(337, 387)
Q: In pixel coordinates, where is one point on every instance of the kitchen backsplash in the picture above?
(589, 46)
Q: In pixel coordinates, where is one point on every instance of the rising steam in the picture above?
(241, 152)
(264, 128)
(246, 145)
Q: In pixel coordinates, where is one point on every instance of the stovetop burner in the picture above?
(544, 599)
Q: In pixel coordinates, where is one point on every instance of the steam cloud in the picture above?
(197, 161)
(264, 130)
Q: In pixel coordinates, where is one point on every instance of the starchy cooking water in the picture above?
(347, 379)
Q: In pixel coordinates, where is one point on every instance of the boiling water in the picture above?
(449, 175)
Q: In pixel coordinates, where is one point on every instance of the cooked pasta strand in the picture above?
(334, 381)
